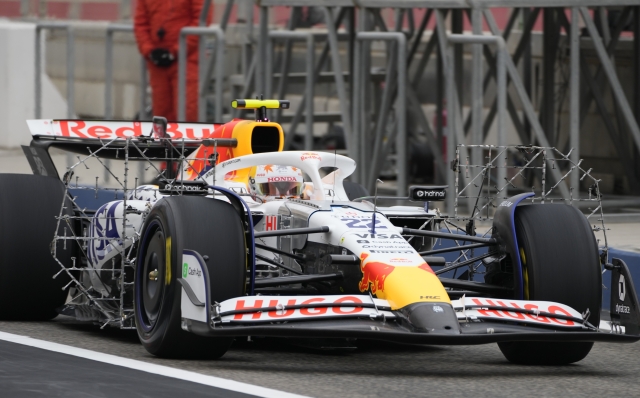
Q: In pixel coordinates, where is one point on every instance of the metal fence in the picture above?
(47, 25)
(108, 72)
(205, 73)
(70, 72)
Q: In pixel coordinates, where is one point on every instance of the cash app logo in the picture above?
(185, 270)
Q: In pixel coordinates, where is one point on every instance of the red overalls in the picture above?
(157, 24)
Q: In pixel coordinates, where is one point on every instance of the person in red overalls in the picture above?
(157, 27)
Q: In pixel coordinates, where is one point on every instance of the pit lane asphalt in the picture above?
(374, 369)
(52, 374)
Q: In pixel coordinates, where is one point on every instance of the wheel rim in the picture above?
(150, 277)
(153, 277)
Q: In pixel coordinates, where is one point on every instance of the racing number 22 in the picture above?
(354, 223)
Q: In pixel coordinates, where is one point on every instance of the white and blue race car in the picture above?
(201, 257)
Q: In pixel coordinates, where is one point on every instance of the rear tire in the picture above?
(29, 205)
(559, 256)
(214, 229)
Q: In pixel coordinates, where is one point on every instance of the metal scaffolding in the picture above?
(377, 123)
(382, 102)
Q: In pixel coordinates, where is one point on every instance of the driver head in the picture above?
(268, 182)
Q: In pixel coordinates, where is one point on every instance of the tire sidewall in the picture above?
(200, 224)
(169, 314)
(567, 233)
(533, 256)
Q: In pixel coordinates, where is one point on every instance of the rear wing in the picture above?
(87, 136)
(110, 130)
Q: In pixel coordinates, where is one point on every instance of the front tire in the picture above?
(211, 227)
(559, 256)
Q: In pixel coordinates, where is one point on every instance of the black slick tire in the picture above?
(559, 255)
(29, 205)
(212, 228)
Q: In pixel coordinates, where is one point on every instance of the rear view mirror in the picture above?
(160, 127)
(428, 193)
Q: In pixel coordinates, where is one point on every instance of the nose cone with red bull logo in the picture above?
(413, 290)
(400, 280)
(373, 274)
(391, 268)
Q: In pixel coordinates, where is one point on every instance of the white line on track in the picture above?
(167, 371)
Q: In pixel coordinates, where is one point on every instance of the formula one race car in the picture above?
(240, 238)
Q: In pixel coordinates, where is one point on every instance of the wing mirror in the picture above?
(160, 127)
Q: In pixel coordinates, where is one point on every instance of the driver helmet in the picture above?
(275, 182)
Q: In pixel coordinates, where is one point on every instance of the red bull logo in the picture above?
(310, 155)
(111, 130)
(374, 274)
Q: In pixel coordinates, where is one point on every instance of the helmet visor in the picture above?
(282, 188)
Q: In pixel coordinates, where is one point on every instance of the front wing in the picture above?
(469, 320)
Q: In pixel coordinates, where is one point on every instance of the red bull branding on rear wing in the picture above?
(109, 130)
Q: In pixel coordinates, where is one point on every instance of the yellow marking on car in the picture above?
(255, 104)
(167, 261)
(525, 273)
(243, 132)
(408, 285)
